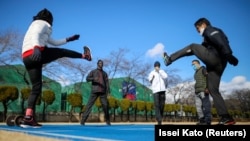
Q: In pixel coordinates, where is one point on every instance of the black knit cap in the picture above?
(99, 61)
(157, 63)
(45, 15)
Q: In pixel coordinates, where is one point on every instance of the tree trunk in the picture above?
(128, 115)
(151, 113)
(22, 107)
(71, 114)
(5, 110)
(121, 115)
(44, 107)
(99, 113)
(135, 114)
(114, 114)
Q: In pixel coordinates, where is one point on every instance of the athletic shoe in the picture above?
(166, 59)
(87, 53)
(29, 122)
(159, 122)
(226, 121)
(108, 123)
(203, 123)
(82, 122)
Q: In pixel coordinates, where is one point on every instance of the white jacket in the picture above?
(38, 34)
(159, 80)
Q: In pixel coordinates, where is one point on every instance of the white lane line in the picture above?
(136, 129)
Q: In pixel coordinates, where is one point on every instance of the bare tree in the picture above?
(10, 51)
(10, 47)
(67, 70)
(243, 98)
(173, 77)
(135, 68)
(113, 62)
(118, 64)
(181, 92)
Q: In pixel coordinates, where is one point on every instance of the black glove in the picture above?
(36, 56)
(72, 38)
(232, 60)
(206, 91)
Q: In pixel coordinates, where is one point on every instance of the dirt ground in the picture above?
(17, 136)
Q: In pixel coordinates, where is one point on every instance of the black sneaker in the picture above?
(108, 123)
(82, 122)
(159, 123)
(166, 59)
(226, 121)
(29, 122)
(87, 53)
(203, 123)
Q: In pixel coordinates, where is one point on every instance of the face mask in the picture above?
(202, 30)
(194, 67)
(157, 69)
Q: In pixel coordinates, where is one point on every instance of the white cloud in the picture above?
(63, 80)
(158, 49)
(237, 83)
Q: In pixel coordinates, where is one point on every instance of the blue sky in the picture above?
(141, 26)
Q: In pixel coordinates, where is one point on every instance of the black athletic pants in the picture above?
(159, 102)
(215, 64)
(34, 69)
(91, 102)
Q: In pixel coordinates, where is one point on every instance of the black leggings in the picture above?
(215, 64)
(34, 69)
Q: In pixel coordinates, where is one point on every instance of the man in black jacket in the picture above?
(214, 52)
(100, 88)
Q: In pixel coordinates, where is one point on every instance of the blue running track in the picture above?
(90, 132)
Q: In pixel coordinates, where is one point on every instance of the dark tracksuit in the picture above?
(100, 88)
(212, 53)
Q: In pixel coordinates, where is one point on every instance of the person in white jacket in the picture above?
(36, 52)
(158, 80)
